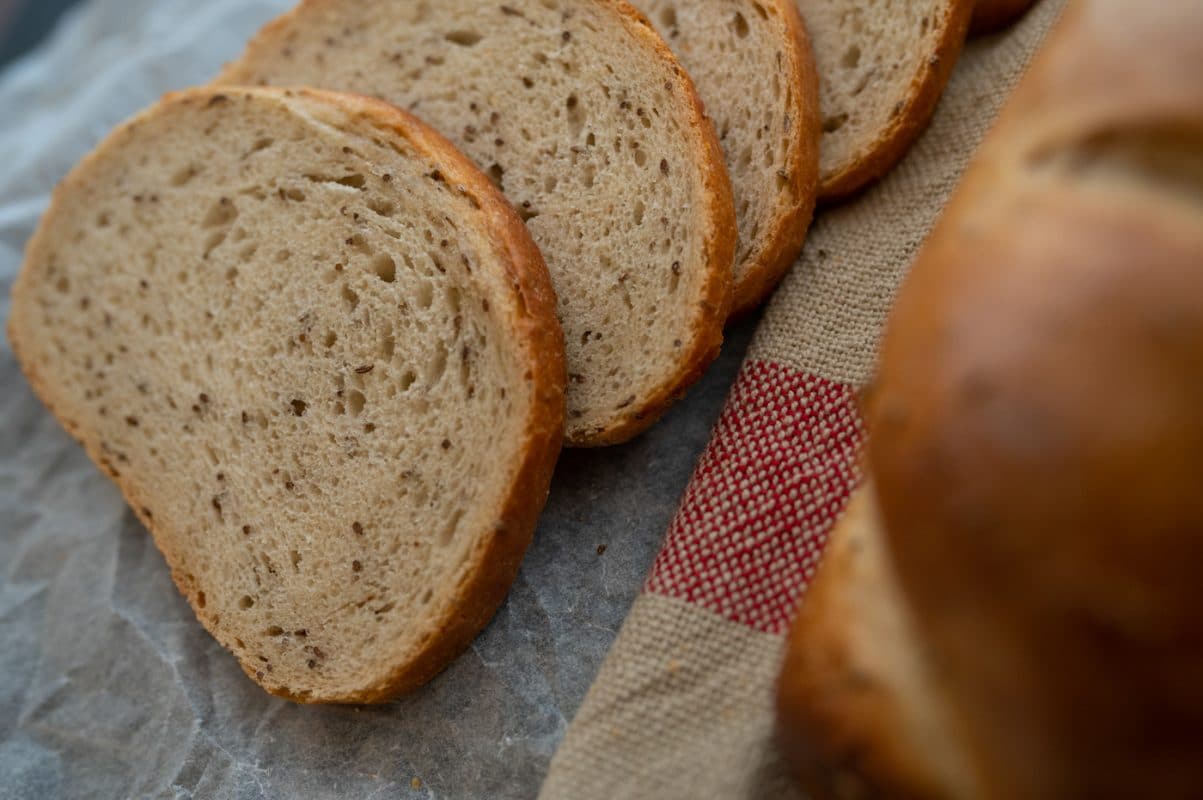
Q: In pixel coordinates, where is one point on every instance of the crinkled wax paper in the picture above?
(108, 685)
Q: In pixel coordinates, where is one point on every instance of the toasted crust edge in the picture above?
(496, 557)
(924, 95)
(762, 272)
(713, 302)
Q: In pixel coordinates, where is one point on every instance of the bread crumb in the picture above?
(416, 783)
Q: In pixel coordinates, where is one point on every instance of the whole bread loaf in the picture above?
(582, 116)
(317, 351)
(1035, 446)
(752, 64)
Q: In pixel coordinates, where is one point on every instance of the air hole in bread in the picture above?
(851, 57)
(223, 212)
(214, 241)
(464, 38)
(360, 244)
(424, 295)
(383, 208)
(741, 25)
(834, 123)
(184, 175)
(496, 174)
(448, 533)
(438, 364)
(384, 267)
(576, 115)
(353, 181)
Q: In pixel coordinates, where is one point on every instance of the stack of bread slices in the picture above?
(328, 321)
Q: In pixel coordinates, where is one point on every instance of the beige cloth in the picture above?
(682, 705)
(679, 709)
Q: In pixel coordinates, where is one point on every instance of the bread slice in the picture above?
(584, 118)
(318, 353)
(882, 67)
(752, 65)
(858, 714)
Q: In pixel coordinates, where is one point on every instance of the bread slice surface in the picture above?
(752, 64)
(585, 120)
(317, 351)
(882, 68)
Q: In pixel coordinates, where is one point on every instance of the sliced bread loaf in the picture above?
(882, 68)
(584, 118)
(752, 65)
(318, 353)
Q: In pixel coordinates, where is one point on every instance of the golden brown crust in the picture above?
(830, 715)
(920, 104)
(714, 302)
(1036, 439)
(993, 15)
(784, 241)
(1043, 540)
(857, 714)
(498, 555)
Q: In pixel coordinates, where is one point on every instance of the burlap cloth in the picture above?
(682, 705)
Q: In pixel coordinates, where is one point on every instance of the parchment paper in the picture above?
(108, 685)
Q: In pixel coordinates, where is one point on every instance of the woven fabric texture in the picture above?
(682, 707)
